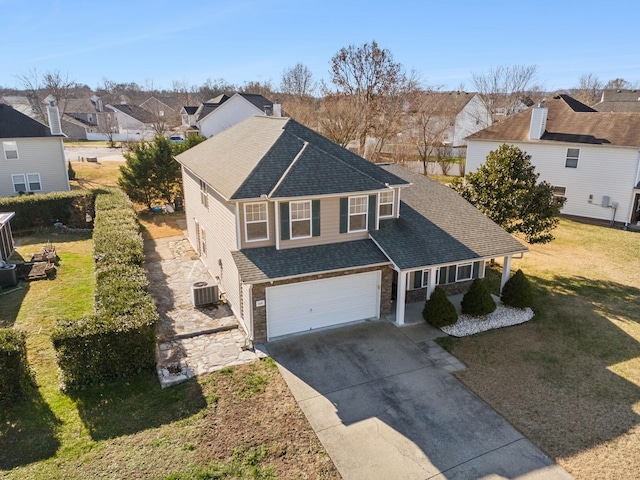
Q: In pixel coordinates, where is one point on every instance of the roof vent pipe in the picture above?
(538, 122)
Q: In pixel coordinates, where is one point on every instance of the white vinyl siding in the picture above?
(219, 223)
(303, 306)
(42, 155)
(603, 171)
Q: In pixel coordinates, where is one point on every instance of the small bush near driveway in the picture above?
(438, 310)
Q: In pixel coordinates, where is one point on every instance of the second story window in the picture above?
(256, 221)
(358, 210)
(385, 204)
(204, 196)
(10, 150)
(300, 219)
(572, 158)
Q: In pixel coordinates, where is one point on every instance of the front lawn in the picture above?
(570, 378)
(241, 422)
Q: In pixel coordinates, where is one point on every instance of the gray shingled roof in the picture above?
(136, 112)
(14, 124)
(257, 265)
(257, 100)
(251, 159)
(437, 226)
(568, 121)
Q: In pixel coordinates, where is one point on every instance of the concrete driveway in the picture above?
(384, 410)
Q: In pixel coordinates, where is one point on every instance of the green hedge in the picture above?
(119, 340)
(438, 310)
(35, 211)
(15, 376)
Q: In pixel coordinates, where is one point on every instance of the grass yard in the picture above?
(570, 379)
(241, 422)
(95, 175)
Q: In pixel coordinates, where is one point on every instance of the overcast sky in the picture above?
(246, 40)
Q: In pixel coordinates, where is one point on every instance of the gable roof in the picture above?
(257, 100)
(281, 158)
(619, 100)
(189, 110)
(437, 226)
(14, 124)
(136, 112)
(568, 121)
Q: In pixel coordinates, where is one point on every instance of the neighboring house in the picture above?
(223, 112)
(32, 159)
(619, 101)
(135, 123)
(163, 112)
(6, 237)
(590, 157)
(303, 234)
(86, 119)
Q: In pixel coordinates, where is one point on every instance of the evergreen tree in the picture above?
(517, 291)
(506, 189)
(438, 310)
(477, 301)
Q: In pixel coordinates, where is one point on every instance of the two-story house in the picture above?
(32, 159)
(592, 158)
(303, 234)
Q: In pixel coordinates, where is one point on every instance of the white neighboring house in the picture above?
(134, 122)
(32, 159)
(233, 110)
(592, 158)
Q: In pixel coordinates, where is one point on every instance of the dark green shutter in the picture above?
(373, 200)
(315, 218)
(284, 221)
(417, 279)
(476, 270)
(452, 274)
(344, 214)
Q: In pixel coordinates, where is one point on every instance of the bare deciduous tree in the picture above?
(376, 86)
(52, 82)
(618, 84)
(589, 89)
(297, 81)
(338, 120)
(503, 88)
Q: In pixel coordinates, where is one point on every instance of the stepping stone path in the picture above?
(191, 341)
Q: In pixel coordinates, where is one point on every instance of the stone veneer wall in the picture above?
(259, 293)
(420, 294)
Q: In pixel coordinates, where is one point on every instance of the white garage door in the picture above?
(304, 306)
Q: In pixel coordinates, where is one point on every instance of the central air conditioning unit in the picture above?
(204, 293)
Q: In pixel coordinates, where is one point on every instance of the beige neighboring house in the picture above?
(32, 159)
(592, 158)
(303, 234)
(619, 100)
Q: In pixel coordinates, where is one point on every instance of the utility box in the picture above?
(8, 275)
(605, 201)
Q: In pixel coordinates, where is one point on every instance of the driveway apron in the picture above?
(384, 407)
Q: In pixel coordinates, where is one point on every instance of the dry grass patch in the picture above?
(570, 379)
(160, 225)
(91, 175)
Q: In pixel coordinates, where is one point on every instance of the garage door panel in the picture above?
(304, 306)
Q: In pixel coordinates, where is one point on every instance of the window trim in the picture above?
(6, 147)
(24, 182)
(265, 221)
(300, 220)
(365, 213)
(29, 183)
(572, 158)
(392, 203)
(425, 274)
(460, 265)
(204, 194)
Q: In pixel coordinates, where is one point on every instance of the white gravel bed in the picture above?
(503, 316)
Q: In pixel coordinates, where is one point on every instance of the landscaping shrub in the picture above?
(15, 376)
(43, 210)
(477, 301)
(119, 340)
(438, 310)
(517, 291)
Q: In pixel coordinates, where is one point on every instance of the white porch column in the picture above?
(506, 271)
(432, 282)
(401, 296)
